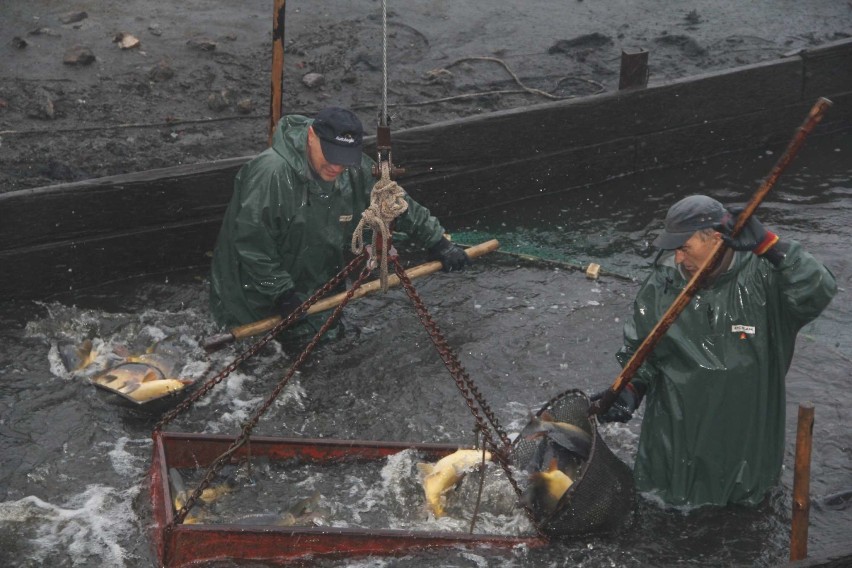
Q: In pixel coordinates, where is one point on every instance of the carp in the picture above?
(570, 437)
(148, 390)
(143, 377)
(77, 357)
(545, 489)
(441, 477)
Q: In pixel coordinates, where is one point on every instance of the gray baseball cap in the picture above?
(688, 215)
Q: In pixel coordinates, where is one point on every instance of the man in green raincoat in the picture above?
(292, 215)
(713, 428)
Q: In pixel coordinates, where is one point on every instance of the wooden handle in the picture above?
(685, 297)
(264, 325)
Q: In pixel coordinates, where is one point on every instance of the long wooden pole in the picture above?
(262, 326)
(603, 404)
(802, 482)
(276, 97)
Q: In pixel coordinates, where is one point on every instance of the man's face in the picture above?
(695, 251)
(325, 169)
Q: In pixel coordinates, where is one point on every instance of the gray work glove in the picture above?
(624, 406)
(451, 255)
(753, 237)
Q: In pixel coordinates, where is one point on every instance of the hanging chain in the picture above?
(254, 349)
(243, 438)
(469, 391)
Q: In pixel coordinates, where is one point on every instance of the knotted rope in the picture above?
(387, 202)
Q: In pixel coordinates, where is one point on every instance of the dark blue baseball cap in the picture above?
(341, 135)
(688, 215)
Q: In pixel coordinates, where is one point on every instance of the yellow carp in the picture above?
(154, 389)
(442, 476)
(77, 357)
(546, 488)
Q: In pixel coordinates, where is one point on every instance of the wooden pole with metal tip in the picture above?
(802, 483)
(276, 97)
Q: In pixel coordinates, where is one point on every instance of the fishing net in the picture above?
(602, 494)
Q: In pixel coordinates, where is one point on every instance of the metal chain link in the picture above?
(254, 349)
(466, 386)
(220, 462)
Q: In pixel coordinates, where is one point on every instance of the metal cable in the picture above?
(383, 118)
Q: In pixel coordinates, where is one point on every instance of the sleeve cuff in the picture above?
(768, 242)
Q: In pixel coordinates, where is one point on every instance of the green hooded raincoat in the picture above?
(713, 429)
(285, 230)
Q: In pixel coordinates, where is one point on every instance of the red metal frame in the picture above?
(185, 545)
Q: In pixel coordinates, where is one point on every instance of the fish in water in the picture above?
(143, 377)
(547, 451)
(441, 477)
(209, 495)
(77, 357)
(570, 437)
(302, 513)
(155, 389)
(545, 489)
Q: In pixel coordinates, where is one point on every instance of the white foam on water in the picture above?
(124, 462)
(475, 558)
(87, 528)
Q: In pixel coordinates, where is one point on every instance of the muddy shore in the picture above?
(191, 81)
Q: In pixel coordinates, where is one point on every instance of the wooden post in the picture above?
(802, 482)
(634, 70)
(276, 97)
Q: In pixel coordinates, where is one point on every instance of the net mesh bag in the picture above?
(602, 495)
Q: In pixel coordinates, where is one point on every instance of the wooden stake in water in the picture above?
(277, 93)
(802, 483)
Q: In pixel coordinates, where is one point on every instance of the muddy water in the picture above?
(72, 475)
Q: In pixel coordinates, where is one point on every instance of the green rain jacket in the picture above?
(713, 429)
(286, 230)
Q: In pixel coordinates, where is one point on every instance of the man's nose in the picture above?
(679, 256)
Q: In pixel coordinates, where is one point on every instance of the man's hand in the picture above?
(287, 303)
(451, 255)
(753, 237)
(624, 406)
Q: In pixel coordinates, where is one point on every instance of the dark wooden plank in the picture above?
(35, 272)
(111, 205)
(828, 69)
(764, 129)
(455, 192)
(542, 129)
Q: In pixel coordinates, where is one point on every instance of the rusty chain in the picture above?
(254, 349)
(244, 435)
(474, 399)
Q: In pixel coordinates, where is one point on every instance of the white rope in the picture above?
(387, 202)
